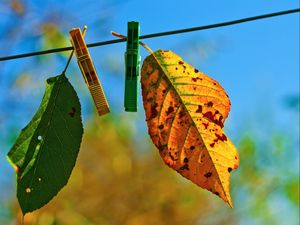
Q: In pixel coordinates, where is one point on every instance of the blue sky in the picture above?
(256, 62)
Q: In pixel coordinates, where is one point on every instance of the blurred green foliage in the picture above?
(115, 183)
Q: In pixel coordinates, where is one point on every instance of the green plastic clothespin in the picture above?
(132, 67)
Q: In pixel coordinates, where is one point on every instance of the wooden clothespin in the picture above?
(88, 71)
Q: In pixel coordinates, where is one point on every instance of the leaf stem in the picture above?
(71, 55)
(141, 43)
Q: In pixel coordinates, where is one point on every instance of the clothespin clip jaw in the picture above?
(132, 67)
(88, 71)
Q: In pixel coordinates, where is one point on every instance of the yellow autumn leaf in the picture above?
(185, 112)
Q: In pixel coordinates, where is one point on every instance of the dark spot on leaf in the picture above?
(196, 71)
(215, 83)
(208, 174)
(185, 167)
(220, 120)
(172, 157)
(154, 112)
(235, 157)
(196, 78)
(229, 169)
(170, 110)
(199, 110)
(164, 91)
(192, 147)
(217, 193)
(72, 114)
(209, 116)
(186, 160)
(176, 68)
(220, 123)
(212, 144)
(205, 125)
(180, 62)
(181, 114)
(149, 99)
(161, 127)
(161, 147)
(209, 104)
(221, 138)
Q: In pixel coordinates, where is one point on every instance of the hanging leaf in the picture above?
(45, 152)
(185, 111)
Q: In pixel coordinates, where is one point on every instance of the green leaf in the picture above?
(45, 152)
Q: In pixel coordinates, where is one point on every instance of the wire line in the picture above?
(206, 27)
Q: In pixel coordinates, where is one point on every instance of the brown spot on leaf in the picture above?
(181, 114)
(199, 110)
(229, 169)
(72, 112)
(185, 167)
(208, 115)
(186, 160)
(172, 157)
(208, 174)
(205, 125)
(180, 62)
(221, 138)
(154, 112)
(212, 144)
(210, 104)
(196, 71)
(217, 193)
(161, 127)
(170, 110)
(192, 147)
(220, 120)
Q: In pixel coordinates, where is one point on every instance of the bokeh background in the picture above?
(119, 177)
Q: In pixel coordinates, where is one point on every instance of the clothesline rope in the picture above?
(206, 27)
